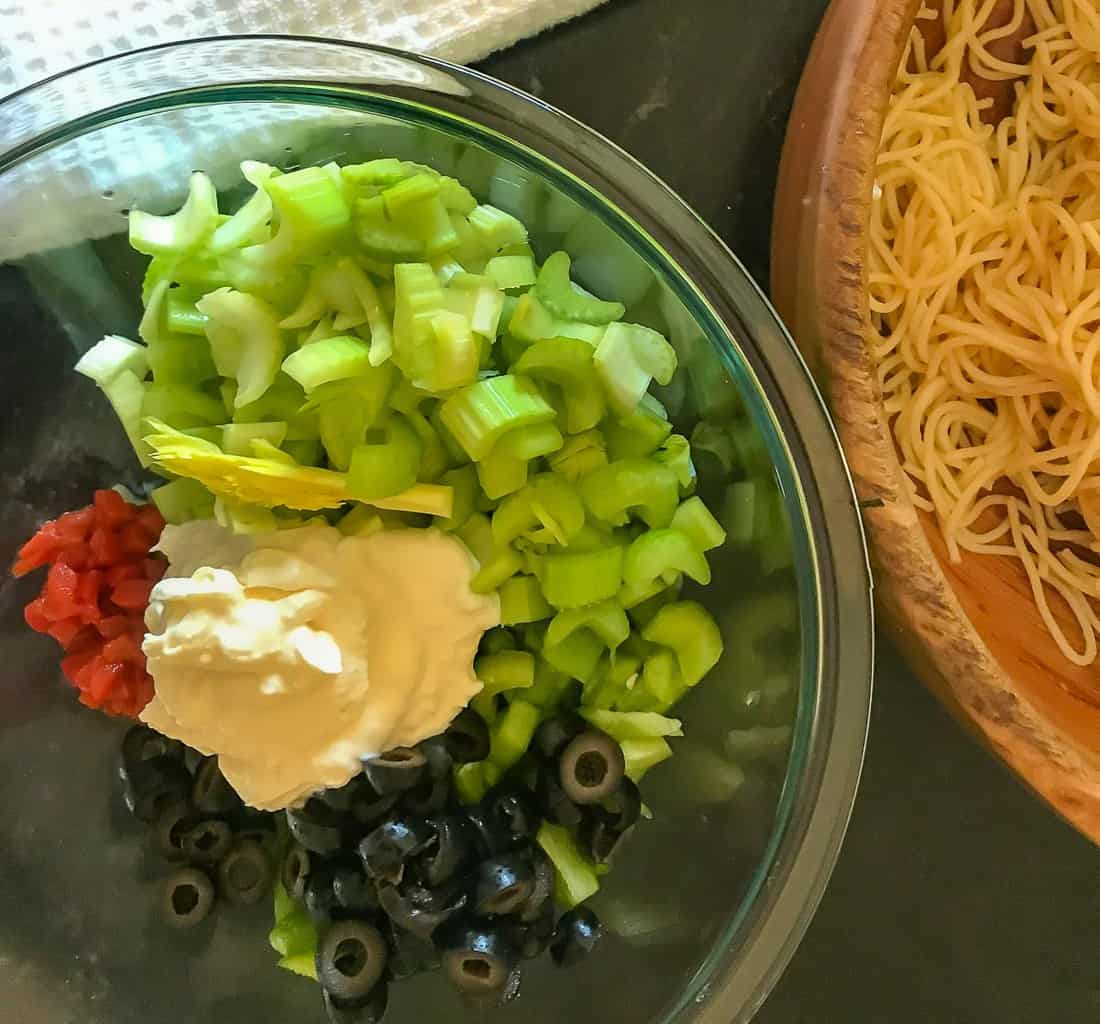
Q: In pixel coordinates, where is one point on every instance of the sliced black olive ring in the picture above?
(188, 898)
(351, 959)
(591, 766)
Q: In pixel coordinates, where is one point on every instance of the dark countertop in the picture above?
(958, 898)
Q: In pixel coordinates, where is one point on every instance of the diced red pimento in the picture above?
(101, 572)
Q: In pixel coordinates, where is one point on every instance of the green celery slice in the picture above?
(676, 454)
(575, 875)
(657, 552)
(113, 355)
(181, 406)
(632, 725)
(237, 438)
(245, 340)
(387, 467)
(694, 519)
(574, 580)
(505, 670)
(627, 358)
(325, 361)
(361, 521)
(522, 600)
(504, 565)
(637, 435)
(556, 292)
(126, 394)
(619, 489)
(642, 755)
(312, 211)
(494, 228)
(500, 474)
(183, 231)
(689, 630)
(567, 362)
(512, 734)
(418, 300)
(606, 619)
(512, 271)
(463, 481)
(547, 501)
(182, 500)
(579, 455)
(531, 442)
(531, 321)
(478, 415)
(457, 351)
(249, 222)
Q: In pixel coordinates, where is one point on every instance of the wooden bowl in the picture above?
(970, 629)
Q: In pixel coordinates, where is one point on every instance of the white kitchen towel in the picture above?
(74, 191)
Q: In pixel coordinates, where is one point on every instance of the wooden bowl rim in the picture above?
(818, 285)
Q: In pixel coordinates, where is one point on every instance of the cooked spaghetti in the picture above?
(984, 280)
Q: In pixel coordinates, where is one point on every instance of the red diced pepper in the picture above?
(111, 626)
(112, 510)
(40, 550)
(88, 586)
(132, 595)
(59, 593)
(150, 518)
(104, 678)
(65, 631)
(136, 541)
(35, 615)
(128, 571)
(75, 663)
(77, 557)
(155, 568)
(105, 548)
(74, 527)
(123, 648)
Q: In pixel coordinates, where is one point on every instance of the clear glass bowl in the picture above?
(713, 895)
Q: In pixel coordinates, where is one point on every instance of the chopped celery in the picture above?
(482, 306)
(531, 321)
(558, 294)
(512, 734)
(551, 686)
(469, 782)
(182, 500)
(479, 414)
(346, 409)
(606, 619)
(178, 359)
(662, 679)
(522, 600)
(634, 436)
(575, 875)
(574, 580)
(112, 355)
(456, 196)
(312, 214)
(579, 455)
(511, 271)
(615, 678)
(632, 725)
(242, 518)
(676, 454)
(547, 501)
(739, 512)
(463, 481)
(498, 639)
(578, 655)
(248, 223)
(477, 535)
(500, 474)
(326, 361)
(494, 228)
(567, 362)
(502, 566)
(237, 438)
(457, 351)
(619, 489)
(182, 316)
(180, 232)
(531, 442)
(693, 519)
(642, 755)
(361, 521)
(245, 339)
(181, 406)
(689, 630)
(657, 552)
(419, 300)
(505, 670)
(305, 451)
(627, 359)
(388, 466)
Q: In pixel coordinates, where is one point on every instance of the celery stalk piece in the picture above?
(388, 466)
(657, 552)
(182, 500)
(419, 299)
(578, 655)
(620, 489)
(457, 351)
(181, 406)
(547, 501)
(244, 519)
(481, 304)
(477, 535)
(574, 580)
(434, 459)
(311, 307)
(662, 679)
(113, 355)
(494, 228)
(531, 321)
(689, 630)
(642, 755)
(635, 436)
(326, 361)
(632, 725)
(249, 223)
(512, 271)
(606, 619)
(676, 454)
(181, 316)
(245, 340)
(502, 566)
(268, 483)
(180, 232)
(126, 394)
(501, 474)
(694, 519)
(179, 359)
(463, 481)
(237, 438)
(614, 679)
(633, 595)
(579, 455)
(479, 414)
(557, 293)
(531, 442)
(575, 875)
(568, 363)
(627, 359)
(505, 670)
(512, 734)
(312, 213)
(456, 196)
(361, 521)
(151, 325)
(346, 409)
(469, 782)
(522, 600)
